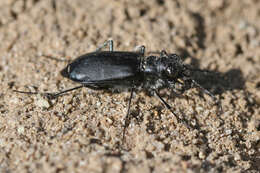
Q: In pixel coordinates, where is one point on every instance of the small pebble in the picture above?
(42, 103)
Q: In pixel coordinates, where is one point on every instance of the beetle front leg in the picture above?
(108, 43)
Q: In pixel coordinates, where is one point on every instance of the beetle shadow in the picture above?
(216, 82)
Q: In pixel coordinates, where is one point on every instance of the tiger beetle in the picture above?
(112, 70)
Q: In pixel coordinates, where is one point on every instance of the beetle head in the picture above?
(172, 67)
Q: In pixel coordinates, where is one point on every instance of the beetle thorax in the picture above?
(152, 66)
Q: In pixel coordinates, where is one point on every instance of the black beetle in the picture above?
(117, 69)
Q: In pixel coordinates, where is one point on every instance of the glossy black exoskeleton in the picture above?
(132, 70)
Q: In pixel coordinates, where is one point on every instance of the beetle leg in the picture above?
(180, 120)
(55, 95)
(51, 95)
(94, 87)
(108, 43)
(216, 101)
(163, 53)
(140, 49)
(127, 119)
(167, 106)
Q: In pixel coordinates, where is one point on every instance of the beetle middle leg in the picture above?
(127, 119)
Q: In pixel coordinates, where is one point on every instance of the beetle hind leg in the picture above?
(50, 95)
(108, 43)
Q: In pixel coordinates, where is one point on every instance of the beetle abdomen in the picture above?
(103, 66)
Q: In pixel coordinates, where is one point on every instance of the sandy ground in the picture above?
(82, 131)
